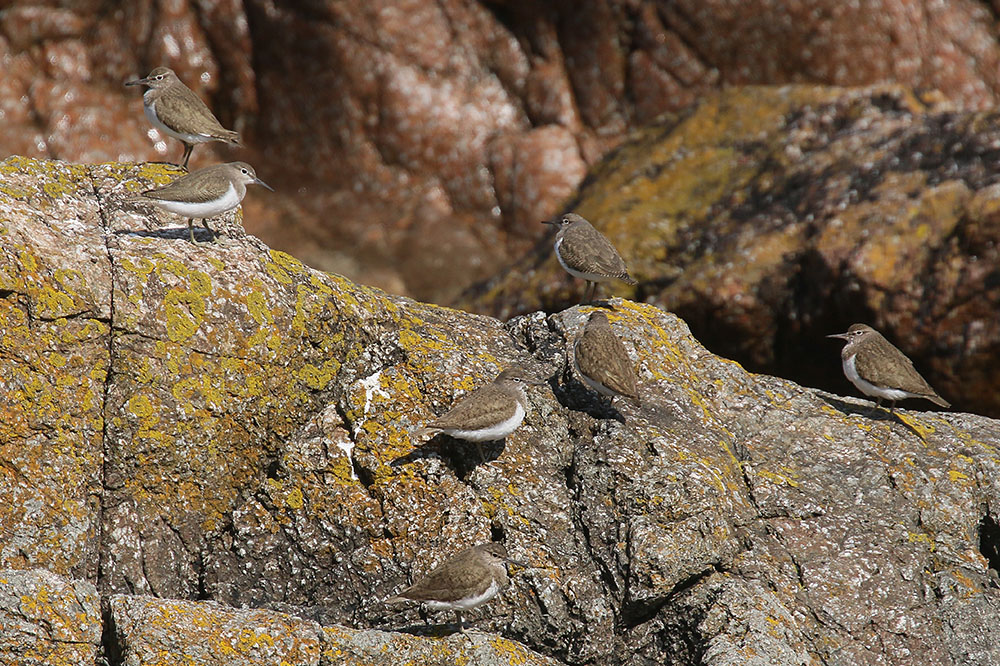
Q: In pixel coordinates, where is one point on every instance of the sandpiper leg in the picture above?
(591, 290)
(204, 223)
(461, 623)
(188, 147)
(482, 456)
(191, 231)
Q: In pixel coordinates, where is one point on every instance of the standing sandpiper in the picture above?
(464, 582)
(205, 193)
(177, 111)
(877, 368)
(586, 253)
(602, 361)
(489, 413)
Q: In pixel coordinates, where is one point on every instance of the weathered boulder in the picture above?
(48, 620)
(248, 444)
(770, 217)
(395, 131)
(167, 631)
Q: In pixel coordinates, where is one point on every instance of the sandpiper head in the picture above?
(855, 334)
(519, 377)
(241, 172)
(598, 319)
(498, 551)
(564, 220)
(161, 77)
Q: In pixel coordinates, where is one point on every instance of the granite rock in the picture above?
(381, 122)
(770, 217)
(247, 464)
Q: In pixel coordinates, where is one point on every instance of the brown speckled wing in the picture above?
(182, 103)
(587, 250)
(464, 575)
(483, 408)
(885, 366)
(196, 187)
(601, 356)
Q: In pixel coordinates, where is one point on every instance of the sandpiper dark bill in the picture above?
(466, 581)
(489, 413)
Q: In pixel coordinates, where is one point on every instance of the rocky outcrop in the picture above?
(770, 217)
(416, 138)
(217, 437)
(47, 620)
(156, 631)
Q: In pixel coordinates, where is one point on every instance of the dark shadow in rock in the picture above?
(873, 412)
(573, 394)
(175, 233)
(604, 304)
(429, 630)
(462, 457)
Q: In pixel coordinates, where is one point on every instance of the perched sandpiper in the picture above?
(489, 413)
(877, 368)
(466, 581)
(205, 193)
(177, 111)
(586, 253)
(602, 361)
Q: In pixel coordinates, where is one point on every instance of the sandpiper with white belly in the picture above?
(174, 109)
(466, 581)
(587, 253)
(205, 193)
(489, 413)
(879, 369)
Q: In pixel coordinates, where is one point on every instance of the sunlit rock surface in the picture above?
(210, 443)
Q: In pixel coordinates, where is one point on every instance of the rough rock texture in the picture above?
(152, 631)
(770, 217)
(252, 448)
(47, 620)
(398, 132)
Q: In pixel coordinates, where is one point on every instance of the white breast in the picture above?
(231, 199)
(868, 388)
(499, 431)
(467, 603)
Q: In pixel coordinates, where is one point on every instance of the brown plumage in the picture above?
(602, 360)
(204, 193)
(176, 110)
(587, 253)
(466, 581)
(489, 413)
(879, 369)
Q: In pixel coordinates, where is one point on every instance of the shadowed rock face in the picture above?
(770, 217)
(415, 144)
(192, 428)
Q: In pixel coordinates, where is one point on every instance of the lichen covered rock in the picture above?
(770, 217)
(48, 620)
(246, 443)
(163, 632)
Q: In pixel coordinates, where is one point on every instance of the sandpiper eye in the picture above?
(245, 171)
